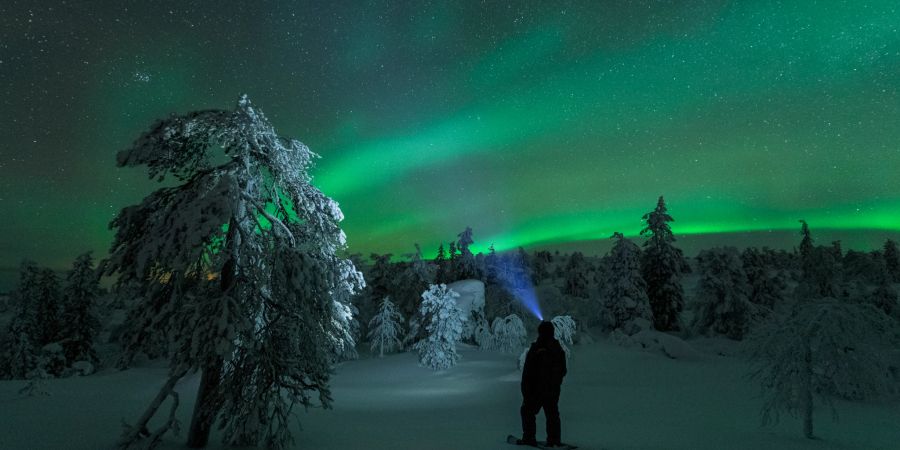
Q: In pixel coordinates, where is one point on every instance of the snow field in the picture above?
(613, 398)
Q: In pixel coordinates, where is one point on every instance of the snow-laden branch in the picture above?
(272, 219)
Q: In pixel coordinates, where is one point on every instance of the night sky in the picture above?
(534, 122)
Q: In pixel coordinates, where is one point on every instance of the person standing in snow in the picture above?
(545, 367)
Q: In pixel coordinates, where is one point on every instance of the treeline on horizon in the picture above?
(765, 273)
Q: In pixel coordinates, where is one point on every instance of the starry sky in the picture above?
(536, 123)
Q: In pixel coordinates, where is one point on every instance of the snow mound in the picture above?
(655, 341)
(471, 295)
(471, 305)
(82, 368)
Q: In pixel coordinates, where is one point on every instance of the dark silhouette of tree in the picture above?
(722, 305)
(663, 265)
(623, 292)
(576, 276)
(440, 262)
(80, 324)
(465, 263)
(892, 260)
(766, 282)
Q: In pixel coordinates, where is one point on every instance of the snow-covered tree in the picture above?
(623, 293)
(884, 296)
(564, 331)
(507, 334)
(79, 320)
(345, 330)
(722, 304)
(386, 328)
(766, 282)
(465, 263)
(238, 266)
(822, 348)
(19, 353)
(663, 264)
(443, 328)
(576, 276)
(22, 341)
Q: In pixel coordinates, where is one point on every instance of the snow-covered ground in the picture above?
(613, 398)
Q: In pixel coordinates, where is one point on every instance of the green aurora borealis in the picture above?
(536, 123)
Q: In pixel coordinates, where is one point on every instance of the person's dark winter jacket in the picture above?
(545, 367)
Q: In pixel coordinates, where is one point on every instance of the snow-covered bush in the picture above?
(507, 334)
(82, 368)
(51, 361)
(386, 328)
(443, 326)
(822, 348)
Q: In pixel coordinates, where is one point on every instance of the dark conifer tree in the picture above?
(884, 297)
(440, 263)
(540, 264)
(576, 276)
(452, 264)
(820, 273)
(836, 250)
(490, 266)
(79, 321)
(861, 266)
(20, 349)
(380, 280)
(806, 243)
(465, 263)
(524, 263)
(415, 279)
(380, 283)
(892, 260)
(623, 292)
(663, 265)
(48, 311)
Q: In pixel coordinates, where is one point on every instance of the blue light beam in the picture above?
(514, 276)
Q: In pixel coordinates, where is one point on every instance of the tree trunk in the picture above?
(807, 393)
(205, 407)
